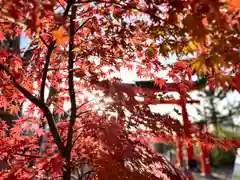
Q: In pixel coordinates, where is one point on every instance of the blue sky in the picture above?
(24, 42)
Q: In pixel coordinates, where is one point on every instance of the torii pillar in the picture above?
(204, 156)
(186, 125)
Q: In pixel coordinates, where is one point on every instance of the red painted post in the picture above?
(204, 156)
(179, 151)
(186, 125)
(205, 161)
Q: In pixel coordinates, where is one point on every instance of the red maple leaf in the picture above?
(60, 111)
(39, 132)
(16, 130)
(28, 127)
(14, 109)
(160, 82)
(3, 125)
(2, 36)
(181, 64)
(4, 103)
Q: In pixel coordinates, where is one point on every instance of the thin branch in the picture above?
(44, 42)
(75, 140)
(86, 173)
(69, 4)
(45, 70)
(56, 177)
(89, 102)
(42, 106)
(30, 156)
(81, 113)
(71, 85)
(60, 4)
(82, 24)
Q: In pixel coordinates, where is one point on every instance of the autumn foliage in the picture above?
(78, 110)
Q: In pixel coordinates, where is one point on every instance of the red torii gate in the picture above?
(174, 87)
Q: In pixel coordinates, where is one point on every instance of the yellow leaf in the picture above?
(211, 65)
(60, 36)
(199, 65)
(190, 47)
(76, 49)
(216, 68)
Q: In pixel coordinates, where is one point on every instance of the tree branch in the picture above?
(42, 106)
(44, 42)
(69, 4)
(86, 173)
(82, 24)
(84, 112)
(26, 155)
(98, 98)
(75, 140)
(71, 85)
(45, 70)
(61, 4)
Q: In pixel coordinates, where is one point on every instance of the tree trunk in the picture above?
(67, 173)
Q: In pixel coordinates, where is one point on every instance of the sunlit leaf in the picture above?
(160, 82)
(76, 49)
(60, 36)
(234, 4)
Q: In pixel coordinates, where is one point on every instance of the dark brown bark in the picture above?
(45, 70)
(71, 85)
(67, 173)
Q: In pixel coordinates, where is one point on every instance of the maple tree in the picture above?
(89, 118)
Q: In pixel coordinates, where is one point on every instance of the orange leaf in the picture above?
(62, 2)
(234, 4)
(60, 36)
